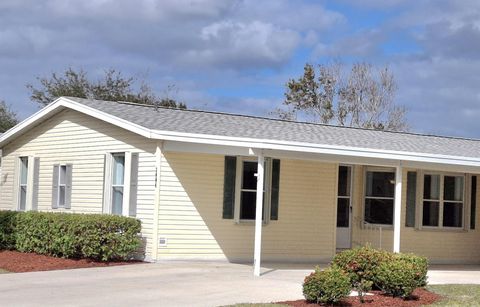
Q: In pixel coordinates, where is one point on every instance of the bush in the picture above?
(96, 236)
(361, 263)
(397, 277)
(7, 229)
(327, 286)
(420, 264)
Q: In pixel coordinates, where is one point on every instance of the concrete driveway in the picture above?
(174, 284)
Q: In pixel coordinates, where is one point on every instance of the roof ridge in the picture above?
(288, 121)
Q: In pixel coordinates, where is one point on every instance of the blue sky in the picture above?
(237, 55)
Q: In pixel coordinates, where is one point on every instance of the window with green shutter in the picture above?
(239, 193)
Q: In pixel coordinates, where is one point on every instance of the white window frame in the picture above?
(108, 190)
(441, 201)
(22, 185)
(350, 192)
(238, 190)
(18, 183)
(365, 197)
(64, 185)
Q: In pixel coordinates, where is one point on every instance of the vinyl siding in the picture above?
(71, 137)
(190, 215)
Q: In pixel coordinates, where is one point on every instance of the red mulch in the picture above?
(419, 297)
(17, 262)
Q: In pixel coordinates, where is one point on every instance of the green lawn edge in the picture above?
(454, 295)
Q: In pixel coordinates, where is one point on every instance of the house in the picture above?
(240, 188)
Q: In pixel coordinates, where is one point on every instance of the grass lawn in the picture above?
(455, 295)
(3, 271)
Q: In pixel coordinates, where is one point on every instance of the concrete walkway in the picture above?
(174, 284)
(454, 274)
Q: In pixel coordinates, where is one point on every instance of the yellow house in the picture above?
(229, 187)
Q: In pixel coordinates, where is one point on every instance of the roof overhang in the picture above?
(181, 141)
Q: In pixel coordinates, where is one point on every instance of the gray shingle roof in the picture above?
(231, 125)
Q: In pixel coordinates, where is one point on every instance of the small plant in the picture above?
(326, 286)
(360, 263)
(362, 287)
(398, 277)
(420, 264)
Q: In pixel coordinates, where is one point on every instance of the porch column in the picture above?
(258, 216)
(397, 208)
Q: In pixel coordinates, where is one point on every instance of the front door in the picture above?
(344, 207)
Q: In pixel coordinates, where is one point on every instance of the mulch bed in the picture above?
(419, 297)
(17, 262)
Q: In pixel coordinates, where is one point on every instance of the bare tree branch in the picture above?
(361, 97)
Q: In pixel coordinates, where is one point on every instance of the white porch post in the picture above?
(397, 208)
(258, 216)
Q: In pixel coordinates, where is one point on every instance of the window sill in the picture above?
(441, 229)
(249, 222)
(383, 226)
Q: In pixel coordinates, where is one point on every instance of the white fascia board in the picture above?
(175, 146)
(122, 123)
(62, 103)
(31, 120)
(315, 148)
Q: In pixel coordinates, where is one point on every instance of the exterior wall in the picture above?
(71, 137)
(440, 246)
(191, 202)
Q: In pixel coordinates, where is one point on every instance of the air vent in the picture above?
(162, 241)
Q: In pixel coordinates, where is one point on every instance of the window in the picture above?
(23, 183)
(247, 195)
(379, 197)
(443, 197)
(62, 186)
(120, 183)
(344, 194)
(118, 178)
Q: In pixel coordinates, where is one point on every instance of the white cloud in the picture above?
(243, 44)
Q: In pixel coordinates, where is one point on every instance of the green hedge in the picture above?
(7, 229)
(360, 263)
(67, 235)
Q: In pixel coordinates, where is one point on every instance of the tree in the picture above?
(363, 97)
(113, 86)
(8, 118)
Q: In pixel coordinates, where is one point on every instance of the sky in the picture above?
(237, 55)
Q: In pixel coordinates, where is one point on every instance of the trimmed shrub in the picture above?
(327, 286)
(397, 277)
(7, 229)
(420, 264)
(67, 235)
(360, 263)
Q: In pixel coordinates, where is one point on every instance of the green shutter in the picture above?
(275, 189)
(229, 187)
(473, 202)
(411, 199)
